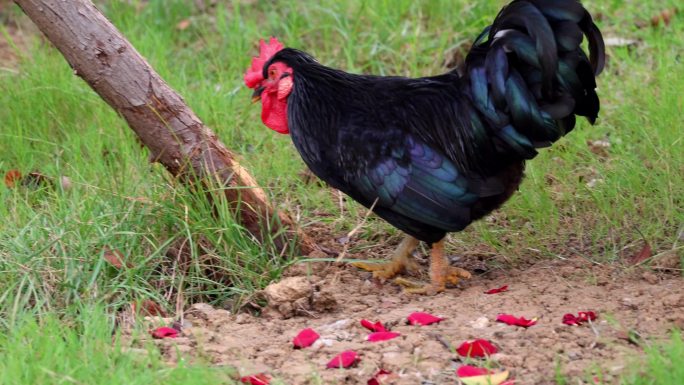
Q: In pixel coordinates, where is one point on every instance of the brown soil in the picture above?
(19, 31)
(635, 306)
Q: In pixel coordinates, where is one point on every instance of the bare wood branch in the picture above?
(174, 135)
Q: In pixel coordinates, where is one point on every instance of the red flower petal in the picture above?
(497, 290)
(470, 371)
(374, 327)
(382, 336)
(164, 332)
(256, 379)
(343, 360)
(305, 338)
(418, 318)
(476, 349)
(582, 317)
(585, 316)
(515, 321)
(570, 319)
(379, 377)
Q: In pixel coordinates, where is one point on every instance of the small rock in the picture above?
(199, 311)
(322, 342)
(335, 326)
(288, 290)
(324, 301)
(290, 296)
(480, 323)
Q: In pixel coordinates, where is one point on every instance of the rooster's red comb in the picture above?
(254, 74)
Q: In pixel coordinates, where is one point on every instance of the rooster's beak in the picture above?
(256, 96)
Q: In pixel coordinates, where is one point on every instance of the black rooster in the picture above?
(433, 154)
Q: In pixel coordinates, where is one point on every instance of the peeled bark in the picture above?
(174, 135)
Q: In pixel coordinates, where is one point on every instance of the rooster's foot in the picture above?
(401, 261)
(440, 274)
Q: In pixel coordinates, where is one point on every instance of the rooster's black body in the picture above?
(437, 153)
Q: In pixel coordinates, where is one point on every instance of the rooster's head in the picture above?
(271, 85)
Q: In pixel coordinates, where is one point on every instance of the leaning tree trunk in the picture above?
(175, 136)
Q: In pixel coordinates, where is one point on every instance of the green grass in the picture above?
(662, 365)
(52, 240)
(50, 352)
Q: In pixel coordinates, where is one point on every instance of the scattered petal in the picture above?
(374, 327)
(570, 319)
(582, 317)
(471, 375)
(585, 316)
(305, 338)
(382, 336)
(164, 332)
(419, 318)
(379, 377)
(343, 360)
(509, 319)
(256, 379)
(470, 371)
(477, 349)
(497, 290)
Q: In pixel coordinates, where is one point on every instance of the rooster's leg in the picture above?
(401, 261)
(440, 274)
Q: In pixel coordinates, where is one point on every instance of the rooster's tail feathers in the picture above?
(529, 76)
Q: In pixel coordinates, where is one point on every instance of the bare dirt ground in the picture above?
(635, 306)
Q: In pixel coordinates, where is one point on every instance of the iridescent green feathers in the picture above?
(529, 75)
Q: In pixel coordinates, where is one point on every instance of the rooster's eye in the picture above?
(271, 73)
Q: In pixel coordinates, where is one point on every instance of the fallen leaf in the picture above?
(471, 375)
(643, 254)
(476, 349)
(164, 332)
(305, 338)
(183, 24)
(497, 290)
(12, 177)
(345, 360)
(256, 379)
(509, 319)
(374, 327)
(664, 16)
(379, 377)
(115, 258)
(382, 336)
(424, 319)
(148, 308)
